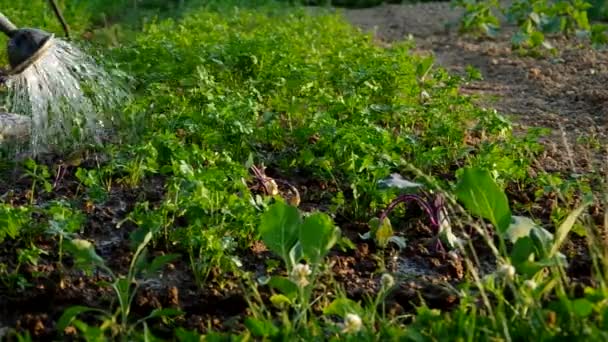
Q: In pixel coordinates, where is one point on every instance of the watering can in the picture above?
(25, 45)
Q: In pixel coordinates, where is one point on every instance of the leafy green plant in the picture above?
(64, 223)
(13, 279)
(540, 17)
(116, 323)
(294, 240)
(39, 174)
(534, 248)
(332, 114)
(13, 220)
(433, 205)
(535, 19)
(97, 182)
(478, 16)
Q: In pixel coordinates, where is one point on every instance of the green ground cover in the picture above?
(225, 88)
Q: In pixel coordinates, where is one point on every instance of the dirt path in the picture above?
(567, 93)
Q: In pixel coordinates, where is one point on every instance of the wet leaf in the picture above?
(399, 241)
(520, 227)
(482, 197)
(397, 181)
(317, 236)
(83, 252)
(280, 228)
(543, 240)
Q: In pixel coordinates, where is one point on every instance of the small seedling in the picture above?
(116, 322)
(39, 174)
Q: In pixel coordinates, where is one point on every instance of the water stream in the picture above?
(68, 96)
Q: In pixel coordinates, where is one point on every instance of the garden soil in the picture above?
(566, 91)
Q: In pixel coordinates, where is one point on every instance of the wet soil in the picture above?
(221, 302)
(565, 92)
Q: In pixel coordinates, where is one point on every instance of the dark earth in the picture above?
(566, 92)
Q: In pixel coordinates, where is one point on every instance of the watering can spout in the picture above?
(25, 46)
(6, 26)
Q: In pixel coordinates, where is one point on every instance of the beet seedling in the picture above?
(433, 206)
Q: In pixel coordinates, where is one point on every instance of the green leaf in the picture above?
(90, 333)
(167, 312)
(520, 227)
(295, 254)
(286, 286)
(12, 220)
(522, 250)
(261, 328)
(343, 306)
(317, 236)
(280, 228)
(579, 230)
(122, 287)
(519, 38)
(159, 262)
(280, 301)
(535, 18)
(582, 307)
(552, 25)
(543, 240)
(559, 260)
(482, 197)
(184, 335)
(83, 252)
(30, 164)
(382, 231)
(423, 67)
(562, 231)
(70, 313)
(537, 38)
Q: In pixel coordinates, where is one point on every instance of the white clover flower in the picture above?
(531, 284)
(507, 271)
(387, 281)
(300, 274)
(424, 96)
(352, 323)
